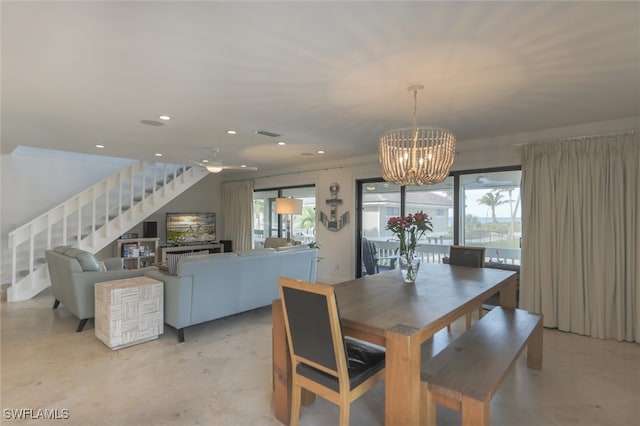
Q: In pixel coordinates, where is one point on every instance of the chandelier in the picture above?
(418, 155)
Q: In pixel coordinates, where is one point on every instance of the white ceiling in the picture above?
(324, 75)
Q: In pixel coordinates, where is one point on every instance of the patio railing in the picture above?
(435, 253)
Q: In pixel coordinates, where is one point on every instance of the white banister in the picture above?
(91, 210)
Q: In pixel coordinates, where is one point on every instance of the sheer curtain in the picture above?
(237, 211)
(581, 233)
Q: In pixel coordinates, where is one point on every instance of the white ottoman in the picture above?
(129, 311)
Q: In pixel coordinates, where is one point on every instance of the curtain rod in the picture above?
(576, 138)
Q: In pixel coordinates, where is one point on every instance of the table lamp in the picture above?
(288, 206)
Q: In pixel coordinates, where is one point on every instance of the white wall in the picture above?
(32, 181)
(338, 250)
(203, 197)
(31, 185)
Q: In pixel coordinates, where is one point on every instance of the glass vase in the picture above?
(409, 269)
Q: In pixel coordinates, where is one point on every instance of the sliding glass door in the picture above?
(476, 208)
(378, 202)
(490, 214)
(266, 223)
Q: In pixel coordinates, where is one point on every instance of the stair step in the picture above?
(86, 216)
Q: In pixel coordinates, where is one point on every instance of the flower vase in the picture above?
(409, 269)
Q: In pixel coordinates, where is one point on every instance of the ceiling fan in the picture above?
(215, 166)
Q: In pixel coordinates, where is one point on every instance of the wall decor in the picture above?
(333, 222)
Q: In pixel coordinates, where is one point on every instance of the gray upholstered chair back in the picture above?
(310, 326)
(467, 256)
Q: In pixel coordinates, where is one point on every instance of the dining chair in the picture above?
(326, 363)
(467, 256)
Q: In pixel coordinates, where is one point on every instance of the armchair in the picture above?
(274, 242)
(73, 274)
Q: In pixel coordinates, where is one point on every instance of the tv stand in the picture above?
(188, 248)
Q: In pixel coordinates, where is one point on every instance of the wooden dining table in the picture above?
(383, 310)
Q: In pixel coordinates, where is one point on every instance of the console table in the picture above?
(212, 247)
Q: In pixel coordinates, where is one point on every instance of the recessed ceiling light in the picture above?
(157, 154)
(205, 161)
(321, 151)
(281, 143)
(243, 165)
(231, 132)
(100, 146)
(164, 117)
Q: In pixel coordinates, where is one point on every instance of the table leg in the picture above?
(534, 348)
(402, 377)
(508, 294)
(282, 367)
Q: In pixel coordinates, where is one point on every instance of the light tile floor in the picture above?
(222, 376)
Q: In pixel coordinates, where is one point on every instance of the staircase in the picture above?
(93, 219)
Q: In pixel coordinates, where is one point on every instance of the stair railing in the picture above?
(87, 220)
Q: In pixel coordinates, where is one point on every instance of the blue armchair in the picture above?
(73, 274)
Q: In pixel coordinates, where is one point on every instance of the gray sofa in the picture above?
(75, 272)
(213, 286)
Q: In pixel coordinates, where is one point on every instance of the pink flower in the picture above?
(409, 229)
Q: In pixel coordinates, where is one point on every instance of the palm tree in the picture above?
(492, 200)
(308, 217)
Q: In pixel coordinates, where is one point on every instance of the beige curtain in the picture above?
(237, 211)
(581, 233)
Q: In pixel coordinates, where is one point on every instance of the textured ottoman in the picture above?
(129, 311)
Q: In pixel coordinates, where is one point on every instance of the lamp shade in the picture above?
(416, 156)
(288, 206)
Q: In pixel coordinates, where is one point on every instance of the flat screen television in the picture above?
(191, 228)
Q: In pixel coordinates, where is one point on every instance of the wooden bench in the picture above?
(467, 373)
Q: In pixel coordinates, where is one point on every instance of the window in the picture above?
(266, 223)
(478, 208)
(490, 214)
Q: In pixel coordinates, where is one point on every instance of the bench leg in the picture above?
(475, 413)
(534, 348)
(427, 406)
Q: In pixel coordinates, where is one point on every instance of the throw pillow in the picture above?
(88, 261)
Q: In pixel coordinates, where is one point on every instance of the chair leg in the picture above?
(468, 320)
(449, 328)
(344, 413)
(81, 325)
(56, 303)
(296, 401)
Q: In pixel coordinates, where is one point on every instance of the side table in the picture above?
(129, 311)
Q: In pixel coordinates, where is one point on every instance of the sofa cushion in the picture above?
(88, 261)
(275, 242)
(293, 248)
(256, 252)
(173, 258)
